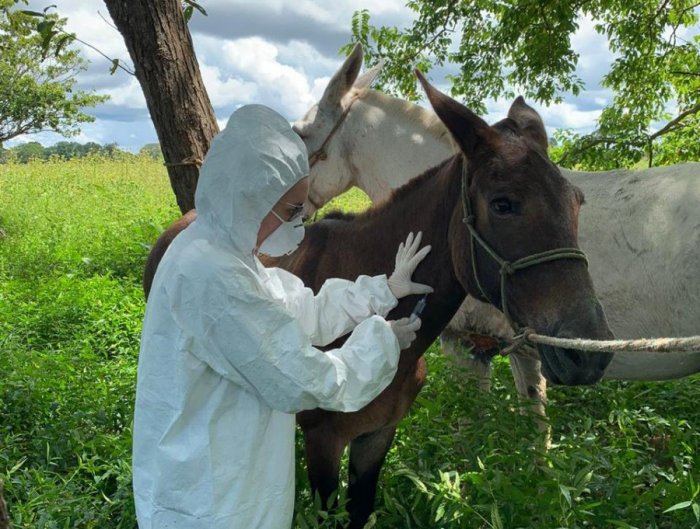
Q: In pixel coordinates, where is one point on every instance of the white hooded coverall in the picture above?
(227, 352)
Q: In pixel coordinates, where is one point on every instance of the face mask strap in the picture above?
(298, 211)
(278, 217)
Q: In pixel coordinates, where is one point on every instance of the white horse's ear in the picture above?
(343, 80)
(367, 78)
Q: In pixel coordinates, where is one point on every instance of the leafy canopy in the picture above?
(499, 46)
(37, 75)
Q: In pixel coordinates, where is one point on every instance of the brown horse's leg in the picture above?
(323, 450)
(367, 454)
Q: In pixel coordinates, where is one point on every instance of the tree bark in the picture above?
(160, 45)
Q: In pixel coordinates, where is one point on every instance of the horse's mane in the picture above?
(379, 209)
(406, 189)
(336, 214)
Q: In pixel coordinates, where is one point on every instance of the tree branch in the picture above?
(672, 125)
(440, 33)
(675, 122)
(108, 22)
(118, 63)
(675, 72)
(584, 147)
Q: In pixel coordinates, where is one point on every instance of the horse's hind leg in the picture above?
(531, 385)
(367, 454)
(476, 364)
(323, 451)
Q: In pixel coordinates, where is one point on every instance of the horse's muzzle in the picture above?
(569, 367)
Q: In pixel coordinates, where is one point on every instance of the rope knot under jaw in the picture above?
(519, 341)
(507, 268)
(468, 220)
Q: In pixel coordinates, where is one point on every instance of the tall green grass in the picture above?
(75, 236)
(73, 242)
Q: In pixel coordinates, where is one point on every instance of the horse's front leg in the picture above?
(367, 454)
(323, 449)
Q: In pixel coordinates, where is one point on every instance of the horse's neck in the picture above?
(391, 142)
(427, 205)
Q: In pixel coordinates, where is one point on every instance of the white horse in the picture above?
(639, 229)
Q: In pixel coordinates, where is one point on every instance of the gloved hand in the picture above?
(407, 259)
(405, 331)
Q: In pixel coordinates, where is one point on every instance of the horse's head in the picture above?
(520, 205)
(320, 124)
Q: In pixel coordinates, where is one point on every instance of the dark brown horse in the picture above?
(521, 205)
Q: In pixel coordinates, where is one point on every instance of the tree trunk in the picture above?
(160, 45)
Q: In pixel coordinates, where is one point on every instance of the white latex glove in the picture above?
(405, 331)
(407, 259)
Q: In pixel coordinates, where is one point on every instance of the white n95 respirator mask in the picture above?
(285, 239)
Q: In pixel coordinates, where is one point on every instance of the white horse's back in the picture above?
(641, 232)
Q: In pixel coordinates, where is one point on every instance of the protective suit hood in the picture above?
(255, 160)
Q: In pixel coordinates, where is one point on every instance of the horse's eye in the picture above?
(502, 206)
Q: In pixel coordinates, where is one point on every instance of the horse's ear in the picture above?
(468, 129)
(343, 79)
(367, 78)
(529, 122)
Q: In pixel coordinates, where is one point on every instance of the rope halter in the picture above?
(321, 153)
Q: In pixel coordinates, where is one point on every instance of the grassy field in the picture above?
(73, 240)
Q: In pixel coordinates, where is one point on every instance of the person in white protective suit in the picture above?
(227, 350)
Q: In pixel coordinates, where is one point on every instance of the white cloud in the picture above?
(258, 60)
(319, 87)
(567, 116)
(224, 90)
(594, 56)
(128, 94)
(306, 58)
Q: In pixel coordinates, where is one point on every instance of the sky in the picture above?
(278, 53)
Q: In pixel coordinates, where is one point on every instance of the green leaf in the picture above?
(192, 4)
(678, 506)
(440, 512)
(496, 521)
(565, 492)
